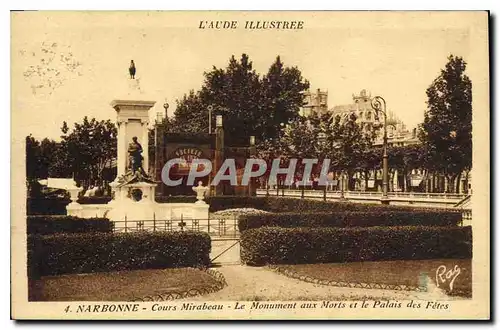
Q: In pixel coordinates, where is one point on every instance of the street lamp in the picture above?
(210, 108)
(379, 105)
(165, 106)
(158, 121)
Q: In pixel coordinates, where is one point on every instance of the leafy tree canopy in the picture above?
(250, 104)
(447, 129)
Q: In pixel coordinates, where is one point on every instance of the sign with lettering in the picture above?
(187, 154)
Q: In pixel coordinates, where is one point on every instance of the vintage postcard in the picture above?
(250, 165)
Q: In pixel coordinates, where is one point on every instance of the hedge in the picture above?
(275, 245)
(288, 204)
(94, 199)
(57, 206)
(50, 224)
(219, 203)
(351, 219)
(43, 206)
(284, 204)
(175, 199)
(103, 252)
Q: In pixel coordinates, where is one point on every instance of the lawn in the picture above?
(399, 272)
(117, 286)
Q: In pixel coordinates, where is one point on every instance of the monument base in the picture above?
(74, 209)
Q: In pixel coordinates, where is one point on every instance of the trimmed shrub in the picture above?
(57, 206)
(288, 204)
(104, 252)
(43, 206)
(284, 204)
(219, 203)
(94, 199)
(351, 219)
(275, 245)
(50, 224)
(175, 199)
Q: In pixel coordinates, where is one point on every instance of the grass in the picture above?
(399, 272)
(117, 286)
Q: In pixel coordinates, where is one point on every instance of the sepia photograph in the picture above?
(250, 165)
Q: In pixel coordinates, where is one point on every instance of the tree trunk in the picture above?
(451, 183)
(366, 180)
(404, 179)
(466, 183)
(427, 183)
(457, 186)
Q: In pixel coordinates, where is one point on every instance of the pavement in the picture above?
(262, 283)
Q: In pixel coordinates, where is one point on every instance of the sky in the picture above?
(394, 55)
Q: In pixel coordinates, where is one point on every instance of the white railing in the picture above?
(441, 200)
(375, 194)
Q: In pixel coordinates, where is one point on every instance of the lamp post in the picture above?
(158, 120)
(210, 108)
(165, 106)
(379, 105)
(252, 153)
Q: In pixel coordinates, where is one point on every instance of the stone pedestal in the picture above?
(122, 192)
(132, 117)
(200, 210)
(132, 120)
(74, 209)
(128, 203)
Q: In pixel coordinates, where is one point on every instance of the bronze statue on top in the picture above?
(132, 69)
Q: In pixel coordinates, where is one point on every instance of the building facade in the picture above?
(314, 102)
(397, 132)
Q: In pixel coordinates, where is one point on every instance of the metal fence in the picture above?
(354, 193)
(224, 227)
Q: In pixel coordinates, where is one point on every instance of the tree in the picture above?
(32, 158)
(282, 89)
(191, 114)
(371, 163)
(88, 149)
(342, 140)
(447, 129)
(249, 105)
(300, 141)
(32, 166)
(39, 158)
(351, 143)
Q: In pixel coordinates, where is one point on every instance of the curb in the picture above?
(342, 284)
(193, 292)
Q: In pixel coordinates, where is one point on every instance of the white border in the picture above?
(199, 5)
